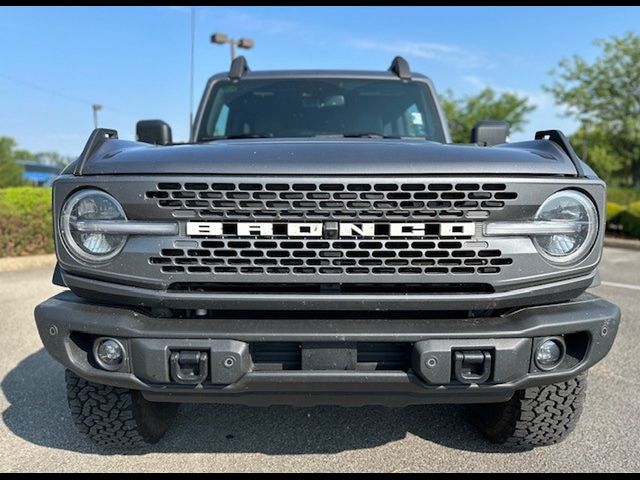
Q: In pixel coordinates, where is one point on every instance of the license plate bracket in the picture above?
(329, 356)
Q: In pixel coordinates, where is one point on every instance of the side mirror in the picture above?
(155, 132)
(490, 132)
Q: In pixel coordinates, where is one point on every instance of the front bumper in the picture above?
(328, 360)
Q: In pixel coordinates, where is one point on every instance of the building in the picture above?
(39, 174)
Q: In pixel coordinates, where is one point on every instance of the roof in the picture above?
(398, 71)
(364, 74)
(40, 167)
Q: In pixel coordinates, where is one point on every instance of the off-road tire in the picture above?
(533, 417)
(116, 417)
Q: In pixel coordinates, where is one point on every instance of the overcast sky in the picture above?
(56, 61)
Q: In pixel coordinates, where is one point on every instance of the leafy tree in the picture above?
(10, 170)
(605, 94)
(463, 113)
(594, 145)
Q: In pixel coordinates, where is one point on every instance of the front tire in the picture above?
(116, 417)
(534, 417)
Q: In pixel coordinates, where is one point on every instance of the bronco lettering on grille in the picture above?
(318, 230)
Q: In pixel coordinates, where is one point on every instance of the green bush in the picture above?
(630, 220)
(623, 211)
(25, 221)
(623, 196)
(613, 211)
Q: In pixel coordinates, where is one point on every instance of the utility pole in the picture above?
(95, 107)
(222, 38)
(193, 42)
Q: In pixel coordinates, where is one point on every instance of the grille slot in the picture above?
(333, 288)
(274, 356)
(384, 356)
(299, 201)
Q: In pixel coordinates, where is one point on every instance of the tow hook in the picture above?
(189, 367)
(473, 366)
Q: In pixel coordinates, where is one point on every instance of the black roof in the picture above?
(399, 70)
(368, 74)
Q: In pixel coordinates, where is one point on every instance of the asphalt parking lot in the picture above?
(36, 433)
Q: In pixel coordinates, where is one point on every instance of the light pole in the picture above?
(222, 38)
(193, 56)
(95, 107)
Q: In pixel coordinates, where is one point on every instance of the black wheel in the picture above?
(116, 417)
(533, 417)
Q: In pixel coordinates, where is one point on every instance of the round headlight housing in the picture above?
(82, 241)
(575, 209)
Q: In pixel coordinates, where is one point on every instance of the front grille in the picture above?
(233, 265)
(323, 200)
(331, 257)
(237, 201)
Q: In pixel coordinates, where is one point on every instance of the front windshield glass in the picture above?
(320, 107)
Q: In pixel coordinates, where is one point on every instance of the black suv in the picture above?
(319, 240)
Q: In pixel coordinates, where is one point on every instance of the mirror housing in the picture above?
(155, 132)
(490, 132)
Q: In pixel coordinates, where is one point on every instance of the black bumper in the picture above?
(307, 360)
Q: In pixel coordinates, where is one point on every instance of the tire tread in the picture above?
(537, 416)
(115, 417)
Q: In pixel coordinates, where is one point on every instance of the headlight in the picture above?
(80, 210)
(567, 206)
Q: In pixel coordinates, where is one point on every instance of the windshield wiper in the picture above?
(235, 137)
(271, 135)
(359, 135)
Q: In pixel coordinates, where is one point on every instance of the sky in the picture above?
(55, 62)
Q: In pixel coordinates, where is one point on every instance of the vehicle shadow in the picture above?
(38, 413)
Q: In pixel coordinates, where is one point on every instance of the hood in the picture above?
(341, 156)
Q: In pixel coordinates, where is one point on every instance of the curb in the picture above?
(29, 262)
(618, 242)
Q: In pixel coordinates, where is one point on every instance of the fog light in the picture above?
(109, 353)
(549, 354)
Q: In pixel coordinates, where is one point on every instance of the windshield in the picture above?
(320, 107)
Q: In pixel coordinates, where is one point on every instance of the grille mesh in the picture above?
(330, 257)
(380, 201)
(364, 201)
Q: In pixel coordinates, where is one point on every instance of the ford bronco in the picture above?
(320, 241)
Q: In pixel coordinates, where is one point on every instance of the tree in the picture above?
(10, 170)
(463, 113)
(605, 94)
(594, 145)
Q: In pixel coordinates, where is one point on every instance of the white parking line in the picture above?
(621, 285)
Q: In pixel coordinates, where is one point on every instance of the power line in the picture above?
(35, 86)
